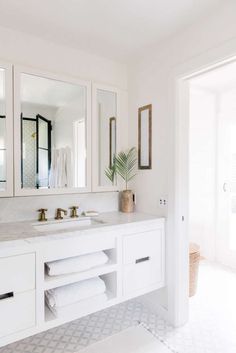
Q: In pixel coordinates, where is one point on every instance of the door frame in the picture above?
(177, 225)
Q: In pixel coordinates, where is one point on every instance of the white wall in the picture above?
(37, 53)
(25, 208)
(26, 50)
(151, 81)
(203, 169)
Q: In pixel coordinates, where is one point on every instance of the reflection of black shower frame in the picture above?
(3, 149)
(21, 134)
(49, 124)
(38, 116)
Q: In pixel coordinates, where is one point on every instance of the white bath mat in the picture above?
(136, 339)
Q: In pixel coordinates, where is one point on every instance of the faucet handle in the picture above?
(42, 214)
(74, 213)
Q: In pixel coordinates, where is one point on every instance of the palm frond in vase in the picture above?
(126, 165)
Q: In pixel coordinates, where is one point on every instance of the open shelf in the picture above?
(50, 316)
(86, 306)
(62, 280)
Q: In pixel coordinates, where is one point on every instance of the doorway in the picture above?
(207, 121)
(212, 164)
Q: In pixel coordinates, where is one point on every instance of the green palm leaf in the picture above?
(124, 165)
(110, 172)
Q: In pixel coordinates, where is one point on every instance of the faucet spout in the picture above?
(59, 212)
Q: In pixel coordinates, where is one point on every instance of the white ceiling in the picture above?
(43, 91)
(217, 80)
(119, 29)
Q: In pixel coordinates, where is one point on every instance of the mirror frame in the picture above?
(8, 192)
(112, 129)
(148, 137)
(95, 138)
(18, 70)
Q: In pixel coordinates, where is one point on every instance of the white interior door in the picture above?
(226, 230)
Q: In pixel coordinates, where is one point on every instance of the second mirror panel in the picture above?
(3, 173)
(53, 133)
(107, 133)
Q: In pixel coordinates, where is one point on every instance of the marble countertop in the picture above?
(27, 230)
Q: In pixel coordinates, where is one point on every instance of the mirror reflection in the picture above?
(3, 176)
(107, 131)
(53, 133)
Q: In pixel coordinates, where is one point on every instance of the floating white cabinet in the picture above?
(17, 293)
(136, 266)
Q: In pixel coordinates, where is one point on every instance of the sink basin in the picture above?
(67, 224)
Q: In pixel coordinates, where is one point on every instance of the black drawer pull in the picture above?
(143, 259)
(6, 295)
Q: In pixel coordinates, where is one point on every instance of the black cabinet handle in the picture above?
(143, 259)
(6, 295)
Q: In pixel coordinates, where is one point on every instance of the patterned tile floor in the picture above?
(211, 328)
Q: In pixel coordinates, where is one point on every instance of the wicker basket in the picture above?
(194, 258)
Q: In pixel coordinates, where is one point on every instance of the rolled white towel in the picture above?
(76, 264)
(72, 293)
(80, 307)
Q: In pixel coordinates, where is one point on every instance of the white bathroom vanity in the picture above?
(134, 244)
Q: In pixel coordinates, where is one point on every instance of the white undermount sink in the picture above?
(67, 224)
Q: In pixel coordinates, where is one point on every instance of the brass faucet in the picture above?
(74, 213)
(42, 215)
(59, 213)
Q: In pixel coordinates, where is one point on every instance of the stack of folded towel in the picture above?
(67, 300)
(76, 264)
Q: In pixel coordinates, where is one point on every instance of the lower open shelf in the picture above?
(84, 310)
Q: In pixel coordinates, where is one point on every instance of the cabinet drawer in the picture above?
(17, 273)
(142, 245)
(17, 313)
(142, 275)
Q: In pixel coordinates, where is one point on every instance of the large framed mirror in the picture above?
(6, 131)
(52, 133)
(105, 135)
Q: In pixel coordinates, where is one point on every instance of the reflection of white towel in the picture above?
(61, 173)
(79, 308)
(75, 292)
(76, 264)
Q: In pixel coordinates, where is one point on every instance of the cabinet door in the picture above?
(6, 131)
(17, 313)
(143, 259)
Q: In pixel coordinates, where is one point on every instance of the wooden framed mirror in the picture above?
(112, 140)
(145, 137)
